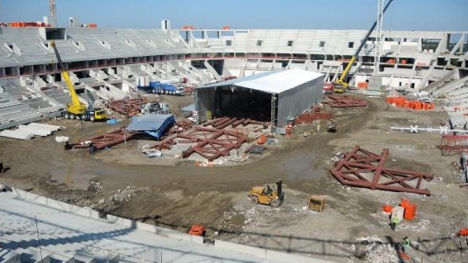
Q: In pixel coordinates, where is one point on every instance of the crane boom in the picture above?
(340, 86)
(76, 107)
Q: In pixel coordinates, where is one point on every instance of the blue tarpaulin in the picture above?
(153, 124)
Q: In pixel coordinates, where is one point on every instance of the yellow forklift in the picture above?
(268, 194)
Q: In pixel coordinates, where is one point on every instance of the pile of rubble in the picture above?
(374, 250)
(127, 194)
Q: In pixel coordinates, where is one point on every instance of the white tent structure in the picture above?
(275, 96)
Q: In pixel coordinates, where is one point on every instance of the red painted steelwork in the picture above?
(344, 101)
(224, 125)
(453, 144)
(238, 122)
(128, 107)
(358, 165)
(106, 140)
(316, 113)
(250, 121)
(212, 143)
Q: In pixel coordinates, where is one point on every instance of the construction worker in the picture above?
(406, 243)
(394, 222)
(92, 149)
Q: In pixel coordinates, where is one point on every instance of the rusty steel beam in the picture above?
(238, 122)
(218, 121)
(224, 125)
(453, 144)
(344, 101)
(221, 123)
(358, 165)
(265, 124)
(106, 140)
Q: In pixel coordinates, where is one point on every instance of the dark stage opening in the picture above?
(242, 103)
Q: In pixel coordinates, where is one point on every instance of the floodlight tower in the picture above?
(53, 14)
(378, 39)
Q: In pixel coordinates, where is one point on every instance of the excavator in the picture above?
(340, 86)
(77, 110)
(268, 195)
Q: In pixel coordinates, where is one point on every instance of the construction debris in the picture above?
(453, 144)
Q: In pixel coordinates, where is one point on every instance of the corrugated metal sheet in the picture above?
(294, 101)
(189, 107)
(273, 81)
(239, 80)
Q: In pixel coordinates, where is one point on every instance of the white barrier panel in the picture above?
(112, 219)
(198, 239)
(58, 205)
(127, 222)
(186, 237)
(153, 229)
(86, 212)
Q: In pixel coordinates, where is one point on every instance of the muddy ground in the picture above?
(176, 193)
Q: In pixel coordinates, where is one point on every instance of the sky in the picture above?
(428, 15)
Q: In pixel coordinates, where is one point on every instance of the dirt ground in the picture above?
(175, 193)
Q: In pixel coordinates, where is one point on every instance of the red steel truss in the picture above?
(362, 168)
(212, 143)
(453, 144)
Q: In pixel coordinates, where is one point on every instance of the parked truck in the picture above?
(157, 87)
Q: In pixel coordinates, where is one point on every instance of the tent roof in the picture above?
(148, 122)
(271, 81)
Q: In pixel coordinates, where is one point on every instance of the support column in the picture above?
(274, 106)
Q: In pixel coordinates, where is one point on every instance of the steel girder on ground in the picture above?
(362, 168)
(211, 143)
(344, 101)
(453, 144)
(106, 140)
(223, 122)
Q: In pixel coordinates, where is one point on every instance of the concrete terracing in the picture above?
(68, 231)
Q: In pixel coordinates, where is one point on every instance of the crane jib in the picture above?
(341, 82)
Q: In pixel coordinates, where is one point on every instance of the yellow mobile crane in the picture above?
(341, 85)
(77, 110)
